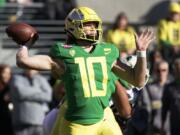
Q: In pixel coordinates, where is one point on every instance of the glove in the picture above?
(133, 95)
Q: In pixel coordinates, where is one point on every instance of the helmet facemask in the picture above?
(93, 38)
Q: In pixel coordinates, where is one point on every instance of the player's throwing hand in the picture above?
(144, 39)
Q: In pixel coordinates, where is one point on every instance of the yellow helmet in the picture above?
(74, 23)
(174, 7)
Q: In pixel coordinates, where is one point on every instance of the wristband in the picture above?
(141, 54)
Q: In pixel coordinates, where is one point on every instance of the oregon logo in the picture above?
(72, 52)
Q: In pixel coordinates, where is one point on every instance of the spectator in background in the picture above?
(171, 102)
(58, 9)
(169, 33)
(138, 124)
(154, 57)
(20, 9)
(31, 94)
(5, 116)
(122, 35)
(155, 91)
(64, 7)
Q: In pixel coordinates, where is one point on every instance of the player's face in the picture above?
(89, 28)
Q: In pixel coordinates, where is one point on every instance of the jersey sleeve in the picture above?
(115, 54)
(114, 79)
(111, 52)
(55, 51)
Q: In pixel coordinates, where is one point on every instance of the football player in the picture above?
(119, 97)
(85, 65)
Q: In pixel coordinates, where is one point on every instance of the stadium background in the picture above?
(140, 13)
(48, 18)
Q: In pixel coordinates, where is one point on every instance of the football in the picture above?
(22, 33)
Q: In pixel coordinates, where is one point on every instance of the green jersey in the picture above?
(87, 80)
(112, 87)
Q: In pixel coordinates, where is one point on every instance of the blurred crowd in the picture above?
(26, 98)
(157, 111)
(52, 9)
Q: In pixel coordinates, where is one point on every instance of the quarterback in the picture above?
(118, 95)
(85, 65)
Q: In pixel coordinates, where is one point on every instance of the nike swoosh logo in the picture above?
(107, 52)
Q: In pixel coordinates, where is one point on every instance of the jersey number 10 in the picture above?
(88, 75)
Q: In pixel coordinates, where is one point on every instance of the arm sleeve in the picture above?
(115, 54)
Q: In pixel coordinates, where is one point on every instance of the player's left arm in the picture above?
(121, 101)
(136, 76)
